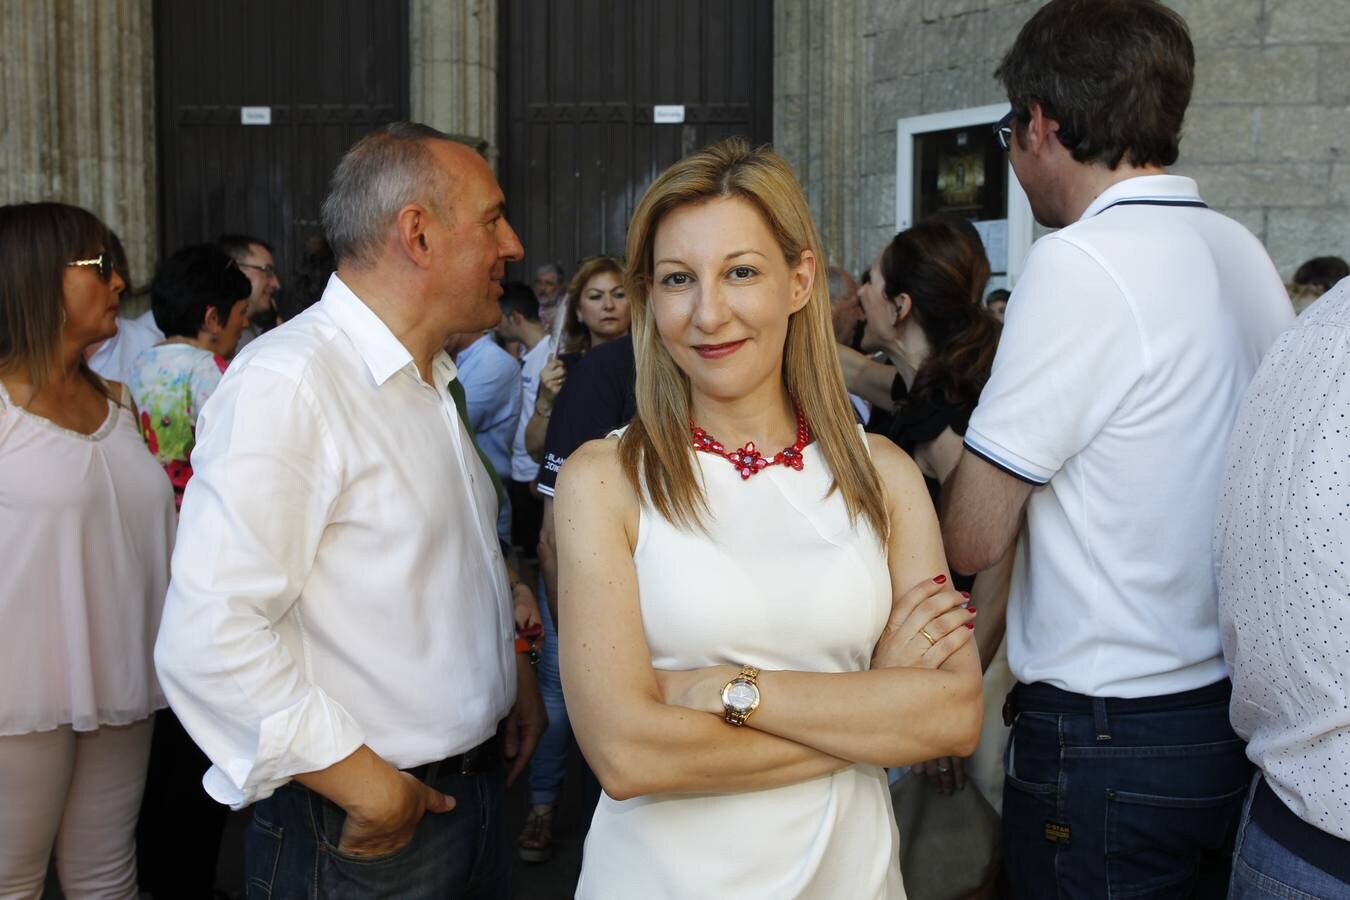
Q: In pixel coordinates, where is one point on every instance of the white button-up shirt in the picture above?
(1282, 551)
(337, 578)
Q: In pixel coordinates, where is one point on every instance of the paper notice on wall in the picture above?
(994, 233)
(255, 115)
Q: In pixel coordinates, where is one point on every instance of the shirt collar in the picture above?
(382, 353)
(1145, 187)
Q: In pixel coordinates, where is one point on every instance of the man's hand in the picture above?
(390, 826)
(946, 773)
(932, 607)
(383, 805)
(527, 721)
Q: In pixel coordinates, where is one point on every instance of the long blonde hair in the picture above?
(655, 451)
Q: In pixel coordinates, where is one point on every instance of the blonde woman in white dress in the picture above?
(749, 634)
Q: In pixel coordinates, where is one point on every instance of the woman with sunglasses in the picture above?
(87, 522)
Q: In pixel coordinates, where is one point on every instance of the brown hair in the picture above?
(37, 240)
(940, 263)
(576, 337)
(655, 450)
(1115, 74)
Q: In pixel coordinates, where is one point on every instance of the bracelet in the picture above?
(530, 648)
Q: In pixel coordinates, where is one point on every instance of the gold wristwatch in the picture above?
(740, 696)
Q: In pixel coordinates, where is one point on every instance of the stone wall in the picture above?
(1267, 135)
(77, 112)
(454, 68)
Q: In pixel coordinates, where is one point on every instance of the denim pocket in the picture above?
(1155, 845)
(263, 842)
(330, 818)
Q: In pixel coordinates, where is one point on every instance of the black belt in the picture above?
(1308, 842)
(1042, 697)
(482, 759)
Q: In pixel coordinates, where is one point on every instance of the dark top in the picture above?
(596, 398)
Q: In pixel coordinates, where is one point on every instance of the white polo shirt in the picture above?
(1128, 344)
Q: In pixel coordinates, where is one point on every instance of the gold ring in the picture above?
(924, 632)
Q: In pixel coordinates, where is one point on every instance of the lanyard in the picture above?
(1199, 203)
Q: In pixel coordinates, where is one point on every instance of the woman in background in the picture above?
(923, 311)
(87, 523)
(596, 312)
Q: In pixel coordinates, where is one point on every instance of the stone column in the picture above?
(77, 119)
(817, 114)
(454, 68)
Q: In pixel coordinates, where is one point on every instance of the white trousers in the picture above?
(77, 795)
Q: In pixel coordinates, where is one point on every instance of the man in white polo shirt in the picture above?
(1128, 344)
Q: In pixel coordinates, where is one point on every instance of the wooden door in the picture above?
(579, 80)
(328, 71)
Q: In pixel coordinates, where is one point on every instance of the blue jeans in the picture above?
(549, 763)
(1121, 798)
(1264, 868)
(290, 848)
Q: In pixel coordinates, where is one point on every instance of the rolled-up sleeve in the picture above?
(266, 477)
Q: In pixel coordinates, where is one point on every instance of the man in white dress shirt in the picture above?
(338, 634)
(1282, 553)
(1128, 342)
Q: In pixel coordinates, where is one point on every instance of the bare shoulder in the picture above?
(900, 477)
(593, 474)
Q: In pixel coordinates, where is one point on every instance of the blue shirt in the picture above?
(491, 379)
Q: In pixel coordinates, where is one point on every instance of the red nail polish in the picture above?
(940, 579)
(969, 607)
(970, 625)
(966, 594)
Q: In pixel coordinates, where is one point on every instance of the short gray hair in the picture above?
(383, 172)
(550, 267)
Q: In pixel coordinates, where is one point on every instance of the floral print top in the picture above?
(170, 383)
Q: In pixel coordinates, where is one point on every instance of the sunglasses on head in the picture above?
(103, 262)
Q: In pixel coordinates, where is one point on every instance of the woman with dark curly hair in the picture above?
(923, 311)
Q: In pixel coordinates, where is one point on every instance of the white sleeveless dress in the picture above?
(785, 582)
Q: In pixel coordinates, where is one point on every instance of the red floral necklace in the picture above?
(748, 460)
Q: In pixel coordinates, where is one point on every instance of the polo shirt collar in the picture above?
(382, 353)
(1145, 187)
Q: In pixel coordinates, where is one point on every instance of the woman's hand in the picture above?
(930, 606)
(696, 689)
(551, 379)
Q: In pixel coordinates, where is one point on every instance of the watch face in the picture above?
(742, 695)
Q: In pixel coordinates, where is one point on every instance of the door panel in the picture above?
(578, 82)
(331, 71)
